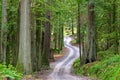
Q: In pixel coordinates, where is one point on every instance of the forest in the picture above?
(60, 40)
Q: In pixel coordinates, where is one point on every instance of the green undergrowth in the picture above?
(101, 55)
(74, 41)
(56, 50)
(9, 72)
(106, 68)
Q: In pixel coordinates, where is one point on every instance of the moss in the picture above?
(20, 66)
(44, 61)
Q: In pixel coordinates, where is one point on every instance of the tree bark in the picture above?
(72, 26)
(61, 38)
(90, 54)
(33, 43)
(15, 54)
(78, 30)
(4, 31)
(24, 58)
(47, 38)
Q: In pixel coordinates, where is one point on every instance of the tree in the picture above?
(24, 57)
(4, 31)
(47, 35)
(115, 27)
(78, 29)
(90, 54)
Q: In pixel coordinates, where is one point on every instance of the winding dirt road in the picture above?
(62, 68)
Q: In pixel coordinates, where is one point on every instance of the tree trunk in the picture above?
(15, 54)
(72, 26)
(24, 58)
(109, 19)
(78, 30)
(39, 43)
(33, 43)
(4, 31)
(55, 40)
(61, 38)
(90, 54)
(115, 27)
(47, 40)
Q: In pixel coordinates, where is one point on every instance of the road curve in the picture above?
(62, 68)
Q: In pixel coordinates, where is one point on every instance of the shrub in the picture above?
(9, 72)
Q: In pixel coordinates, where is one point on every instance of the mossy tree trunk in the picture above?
(90, 54)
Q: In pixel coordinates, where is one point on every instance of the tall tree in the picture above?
(24, 57)
(4, 31)
(47, 35)
(78, 29)
(90, 54)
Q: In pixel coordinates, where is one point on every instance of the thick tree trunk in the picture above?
(47, 38)
(39, 44)
(33, 43)
(17, 40)
(24, 58)
(33, 38)
(4, 31)
(40, 49)
(15, 54)
(90, 54)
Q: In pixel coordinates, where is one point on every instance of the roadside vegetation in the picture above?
(107, 67)
(9, 72)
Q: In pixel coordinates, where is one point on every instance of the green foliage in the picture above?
(0, 11)
(44, 60)
(67, 32)
(57, 50)
(74, 41)
(105, 54)
(76, 66)
(9, 72)
(107, 69)
(79, 1)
